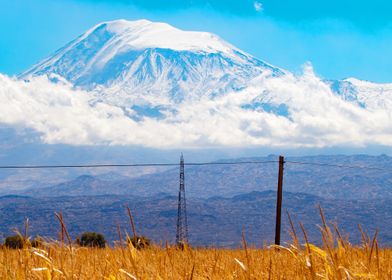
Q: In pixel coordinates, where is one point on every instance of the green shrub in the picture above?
(140, 242)
(14, 242)
(91, 239)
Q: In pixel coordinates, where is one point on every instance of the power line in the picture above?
(188, 164)
(339, 165)
(131, 165)
(232, 163)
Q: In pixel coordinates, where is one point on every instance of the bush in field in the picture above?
(140, 242)
(14, 242)
(37, 242)
(91, 239)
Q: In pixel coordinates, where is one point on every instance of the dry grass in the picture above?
(335, 259)
(60, 262)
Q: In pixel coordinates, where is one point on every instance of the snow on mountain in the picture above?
(366, 94)
(134, 60)
(149, 84)
(150, 66)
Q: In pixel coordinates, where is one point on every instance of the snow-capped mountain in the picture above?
(131, 59)
(143, 64)
(149, 84)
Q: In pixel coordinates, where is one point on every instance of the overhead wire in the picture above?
(190, 164)
(131, 165)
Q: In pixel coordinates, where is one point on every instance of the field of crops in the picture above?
(55, 262)
(336, 258)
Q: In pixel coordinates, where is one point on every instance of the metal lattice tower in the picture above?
(182, 220)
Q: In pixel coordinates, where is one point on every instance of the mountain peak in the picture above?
(120, 26)
(146, 60)
(142, 34)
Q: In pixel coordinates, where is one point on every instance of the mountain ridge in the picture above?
(323, 176)
(252, 214)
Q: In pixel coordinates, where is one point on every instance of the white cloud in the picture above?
(318, 117)
(258, 6)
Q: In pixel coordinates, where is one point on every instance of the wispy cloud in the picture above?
(258, 6)
(317, 117)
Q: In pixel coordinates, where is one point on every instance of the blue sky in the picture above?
(341, 38)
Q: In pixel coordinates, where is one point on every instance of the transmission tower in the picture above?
(182, 220)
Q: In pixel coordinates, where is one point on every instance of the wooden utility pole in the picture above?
(279, 201)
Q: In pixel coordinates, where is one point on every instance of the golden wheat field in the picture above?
(56, 261)
(336, 258)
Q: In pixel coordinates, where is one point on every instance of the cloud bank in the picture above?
(286, 111)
